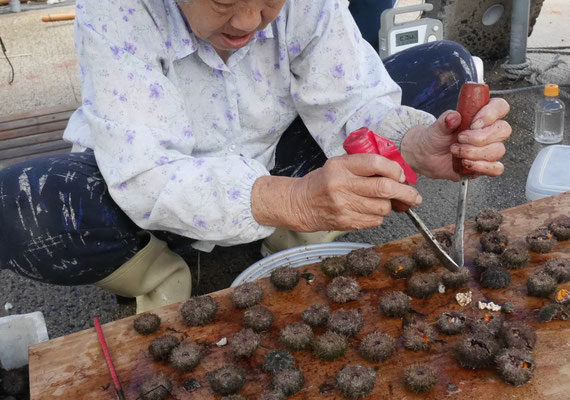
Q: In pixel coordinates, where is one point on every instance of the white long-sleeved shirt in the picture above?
(180, 136)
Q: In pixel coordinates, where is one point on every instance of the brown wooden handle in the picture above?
(58, 17)
(472, 98)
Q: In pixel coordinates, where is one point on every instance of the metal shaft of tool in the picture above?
(445, 259)
(456, 251)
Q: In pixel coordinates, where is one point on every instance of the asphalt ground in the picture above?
(46, 76)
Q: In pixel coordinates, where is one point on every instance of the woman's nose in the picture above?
(247, 18)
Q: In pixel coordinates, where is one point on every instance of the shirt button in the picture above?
(232, 148)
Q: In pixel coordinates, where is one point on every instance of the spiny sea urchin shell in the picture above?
(451, 322)
(284, 278)
(541, 240)
(515, 257)
(343, 289)
(454, 280)
(559, 268)
(377, 347)
(476, 350)
(541, 284)
(244, 343)
(560, 227)
(488, 220)
(494, 242)
(288, 381)
(400, 267)
(330, 346)
(247, 295)
(334, 266)
(395, 304)
(495, 278)
(516, 366)
(423, 285)
(356, 381)
(156, 388)
(346, 322)
(161, 347)
(146, 323)
(278, 360)
(199, 310)
(518, 335)
(226, 380)
(489, 324)
(362, 262)
(553, 311)
(420, 378)
(258, 318)
(418, 336)
(486, 260)
(272, 395)
(296, 336)
(425, 257)
(186, 356)
(316, 315)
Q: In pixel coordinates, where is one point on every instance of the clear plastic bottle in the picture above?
(549, 117)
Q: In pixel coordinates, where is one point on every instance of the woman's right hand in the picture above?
(349, 192)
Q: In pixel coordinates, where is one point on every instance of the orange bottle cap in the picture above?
(551, 90)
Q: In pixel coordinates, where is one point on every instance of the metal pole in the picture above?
(519, 31)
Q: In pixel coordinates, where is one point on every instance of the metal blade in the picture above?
(445, 259)
(456, 251)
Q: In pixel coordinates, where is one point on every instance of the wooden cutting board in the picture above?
(73, 367)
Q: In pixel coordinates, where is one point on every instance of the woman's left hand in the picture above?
(429, 149)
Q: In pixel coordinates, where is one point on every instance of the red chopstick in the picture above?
(103, 343)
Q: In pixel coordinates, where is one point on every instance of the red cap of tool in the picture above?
(364, 140)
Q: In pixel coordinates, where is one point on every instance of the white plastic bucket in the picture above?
(17, 334)
(296, 257)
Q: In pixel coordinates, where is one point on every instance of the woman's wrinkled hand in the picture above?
(429, 150)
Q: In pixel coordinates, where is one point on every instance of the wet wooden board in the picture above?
(73, 367)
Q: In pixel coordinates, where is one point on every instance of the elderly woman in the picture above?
(218, 121)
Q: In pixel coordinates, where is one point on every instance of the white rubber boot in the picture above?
(155, 276)
(283, 239)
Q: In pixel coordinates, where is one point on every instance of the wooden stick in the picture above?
(58, 17)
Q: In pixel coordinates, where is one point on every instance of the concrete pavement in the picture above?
(46, 75)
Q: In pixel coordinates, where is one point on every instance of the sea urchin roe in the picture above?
(562, 296)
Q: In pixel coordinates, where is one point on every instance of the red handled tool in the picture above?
(364, 140)
(116, 382)
(472, 97)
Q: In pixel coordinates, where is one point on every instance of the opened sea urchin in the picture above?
(518, 335)
(418, 336)
(199, 310)
(553, 311)
(186, 356)
(400, 267)
(541, 240)
(560, 227)
(494, 242)
(330, 346)
(334, 266)
(356, 381)
(156, 388)
(395, 304)
(146, 323)
(316, 315)
(161, 347)
(559, 269)
(476, 350)
(423, 286)
(288, 381)
(346, 322)
(420, 378)
(362, 262)
(488, 220)
(226, 380)
(377, 347)
(516, 366)
(244, 343)
(258, 318)
(247, 294)
(451, 322)
(296, 336)
(343, 289)
(284, 278)
(488, 324)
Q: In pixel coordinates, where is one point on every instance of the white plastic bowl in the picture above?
(296, 257)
